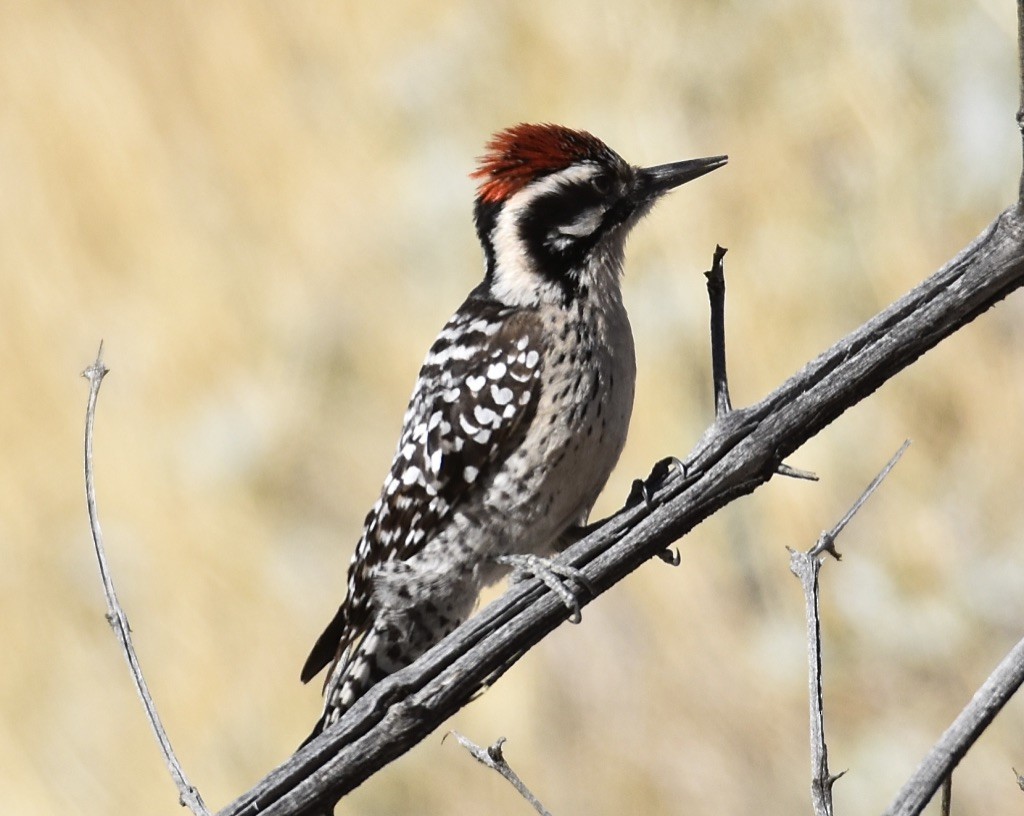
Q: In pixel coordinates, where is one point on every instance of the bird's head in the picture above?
(554, 206)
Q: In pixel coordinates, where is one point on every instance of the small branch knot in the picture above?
(826, 544)
(97, 371)
(494, 751)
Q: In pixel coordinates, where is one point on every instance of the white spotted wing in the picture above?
(474, 400)
(473, 403)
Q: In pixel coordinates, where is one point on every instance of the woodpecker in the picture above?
(520, 410)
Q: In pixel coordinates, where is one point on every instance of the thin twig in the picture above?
(827, 540)
(796, 473)
(716, 295)
(1020, 778)
(947, 794)
(719, 375)
(188, 795)
(806, 566)
(1020, 74)
(494, 759)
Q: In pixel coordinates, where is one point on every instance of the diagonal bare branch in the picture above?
(494, 758)
(116, 617)
(740, 452)
(954, 744)
(827, 540)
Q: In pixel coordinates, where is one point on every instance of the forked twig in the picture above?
(805, 566)
(494, 759)
(116, 617)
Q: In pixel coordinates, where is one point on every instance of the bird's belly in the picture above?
(576, 438)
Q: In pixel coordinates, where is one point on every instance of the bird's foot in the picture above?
(643, 489)
(556, 577)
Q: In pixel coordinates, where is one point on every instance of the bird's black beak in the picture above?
(652, 182)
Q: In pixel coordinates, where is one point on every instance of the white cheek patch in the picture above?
(516, 281)
(585, 224)
(565, 235)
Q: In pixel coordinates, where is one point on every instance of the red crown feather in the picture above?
(521, 153)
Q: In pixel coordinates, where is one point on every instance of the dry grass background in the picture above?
(264, 210)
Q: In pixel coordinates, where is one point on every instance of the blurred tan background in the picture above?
(264, 210)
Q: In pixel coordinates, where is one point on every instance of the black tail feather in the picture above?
(326, 647)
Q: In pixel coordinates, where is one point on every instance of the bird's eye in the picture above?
(602, 184)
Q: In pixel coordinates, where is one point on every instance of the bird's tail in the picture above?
(326, 648)
(351, 674)
(383, 650)
(356, 670)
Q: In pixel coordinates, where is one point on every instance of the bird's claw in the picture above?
(638, 493)
(555, 577)
(644, 489)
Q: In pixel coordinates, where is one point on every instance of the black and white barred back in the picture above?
(520, 410)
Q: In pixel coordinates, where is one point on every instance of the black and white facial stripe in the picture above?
(541, 236)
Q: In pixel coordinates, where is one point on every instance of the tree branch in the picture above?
(719, 375)
(716, 295)
(116, 617)
(806, 566)
(937, 766)
(738, 453)
(1020, 65)
(494, 758)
